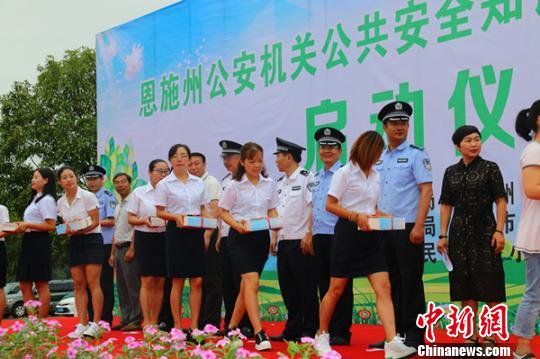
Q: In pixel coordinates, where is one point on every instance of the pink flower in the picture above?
(107, 342)
(223, 342)
(3, 331)
(197, 333)
(204, 354)
(165, 339)
(177, 334)
(332, 355)
(307, 340)
(236, 333)
(210, 329)
(150, 330)
(27, 356)
(135, 345)
(72, 353)
(179, 346)
(158, 347)
(17, 326)
(104, 325)
(52, 351)
(79, 344)
(129, 339)
(51, 323)
(282, 356)
(106, 356)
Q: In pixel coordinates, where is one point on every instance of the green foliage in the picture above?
(116, 159)
(47, 124)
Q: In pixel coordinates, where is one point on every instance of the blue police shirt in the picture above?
(323, 221)
(107, 204)
(401, 171)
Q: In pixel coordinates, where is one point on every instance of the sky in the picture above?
(32, 29)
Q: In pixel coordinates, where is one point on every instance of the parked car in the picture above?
(15, 303)
(66, 306)
(14, 300)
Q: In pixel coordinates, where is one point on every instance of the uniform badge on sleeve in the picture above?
(312, 185)
(112, 204)
(427, 164)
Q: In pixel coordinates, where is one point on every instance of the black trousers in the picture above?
(212, 293)
(298, 284)
(107, 286)
(341, 322)
(230, 280)
(406, 268)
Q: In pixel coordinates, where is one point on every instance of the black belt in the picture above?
(123, 245)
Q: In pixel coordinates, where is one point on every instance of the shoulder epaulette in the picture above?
(418, 148)
(227, 175)
(108, 193)
(304, 172)
(280, 178)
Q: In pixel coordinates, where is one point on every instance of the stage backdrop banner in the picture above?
(197, 72)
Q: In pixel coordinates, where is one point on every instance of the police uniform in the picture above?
(296, 271)
(230, 279)
(402, 169)
(4, 218)
(107, 205)
(35, 260)
(324, 223)
(184, 246)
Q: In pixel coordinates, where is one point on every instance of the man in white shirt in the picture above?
(128, 281)
(211, 291)
(296, 261)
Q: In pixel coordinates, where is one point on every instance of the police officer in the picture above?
(95, 176)
(230, 153)
(406, 191)
(295, 257)
(329, 142)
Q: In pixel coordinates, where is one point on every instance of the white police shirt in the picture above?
(353, 190)
(142, 203)
(224, 227)
(4, 217)
(181, 198)
(40, 211)
(83, 202)
(294, 203)
(246, 201)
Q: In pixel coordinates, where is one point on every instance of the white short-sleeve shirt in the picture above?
(4, 217)
(353, 190)
(247, 201)
(294, 203)
(84, 202)
(181, 198)
(224, 227)
(40, 211)
(528, 234)
(142, 203)
(213, 187)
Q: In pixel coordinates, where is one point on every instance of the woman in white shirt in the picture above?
(528, 235)
(4, 218)
(177, 195)
(35, 262)
(248, 196)
(149, 242)
(353, 194)
(85, 249)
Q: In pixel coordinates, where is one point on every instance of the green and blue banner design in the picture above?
(197, 72)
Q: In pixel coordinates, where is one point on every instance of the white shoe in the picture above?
(78, 332)
(397, 349)
(261, 341)
(92, 331)
(322, 344)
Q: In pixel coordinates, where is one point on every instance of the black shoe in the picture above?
(342, 339)
(164, 327)
(247, 332)
(221, 333)
(376, 346)
(262, 342)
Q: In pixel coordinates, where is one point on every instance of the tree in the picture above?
(47, 124)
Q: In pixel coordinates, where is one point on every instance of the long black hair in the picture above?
(50, 186)
(526, 121)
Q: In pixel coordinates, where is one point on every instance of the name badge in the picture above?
(402, 160)
(296, 188)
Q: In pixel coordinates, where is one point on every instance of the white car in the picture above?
(66, 307)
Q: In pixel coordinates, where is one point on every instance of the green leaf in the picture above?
(139, 182)
(105, 162)
(134, 170)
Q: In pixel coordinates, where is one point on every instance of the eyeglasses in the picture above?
(161, 172)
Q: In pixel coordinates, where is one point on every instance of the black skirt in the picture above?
(150, 253)
(3, 265)
(356, 253)
(35, 259)
(184, 251)
(85, 249)
(249, 251)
